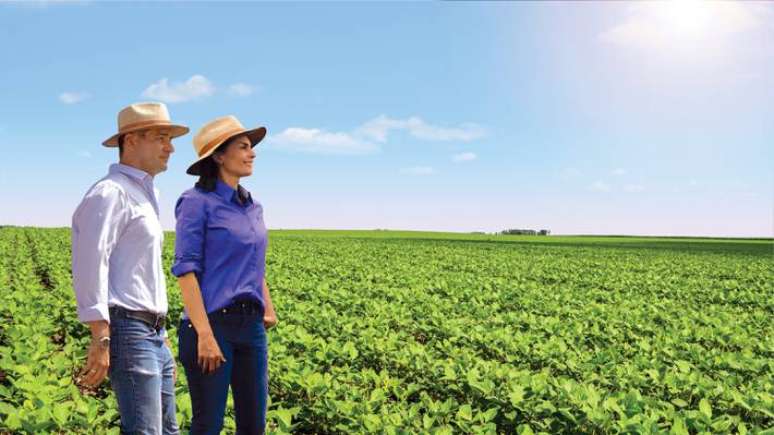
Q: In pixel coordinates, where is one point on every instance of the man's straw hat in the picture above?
(140, 116)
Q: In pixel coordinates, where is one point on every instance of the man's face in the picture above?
(151, 149)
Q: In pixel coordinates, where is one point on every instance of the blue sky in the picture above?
(583, 118)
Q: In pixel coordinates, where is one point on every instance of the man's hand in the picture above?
(269, 320)
(97, 364)
(98, 360)
(209, 355)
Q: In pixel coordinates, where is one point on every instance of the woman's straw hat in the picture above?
(217, 132)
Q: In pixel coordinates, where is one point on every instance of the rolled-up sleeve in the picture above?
(97, 225)
(191, 221)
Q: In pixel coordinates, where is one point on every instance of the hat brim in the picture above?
(177, 131)
(255, 135)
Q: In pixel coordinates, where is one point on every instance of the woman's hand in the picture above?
(269, 320)
(209, 355)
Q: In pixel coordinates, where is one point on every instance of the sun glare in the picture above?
(687, 18)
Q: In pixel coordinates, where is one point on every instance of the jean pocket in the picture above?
(139, 356)
(126, 331)
(187, 341)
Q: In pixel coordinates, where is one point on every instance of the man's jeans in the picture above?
(141, 372)
(242, 340)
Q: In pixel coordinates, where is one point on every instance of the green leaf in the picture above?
(487, 416)
(372, 422)
(678, 427)
(60, 413)
(285, 417)
(12, 421)
(705, 408)
(465, 412)
(722, 425)
(680, 403)
(427, 421)
(683, 366)
(517, 395)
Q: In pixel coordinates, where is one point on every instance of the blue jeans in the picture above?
(242, 340)
(141, 373)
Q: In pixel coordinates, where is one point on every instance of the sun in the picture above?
(687, 18)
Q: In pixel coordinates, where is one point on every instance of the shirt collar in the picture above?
(230, 194)
(137, 174)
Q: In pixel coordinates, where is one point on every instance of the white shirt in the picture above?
(117, 245)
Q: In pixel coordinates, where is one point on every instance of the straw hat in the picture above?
(217, 132)
(140, 116)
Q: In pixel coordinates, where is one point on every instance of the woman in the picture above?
(220, 251)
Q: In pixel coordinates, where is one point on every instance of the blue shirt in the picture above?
(223, 242)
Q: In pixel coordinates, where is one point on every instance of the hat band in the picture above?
(218, 140)
(142, 124)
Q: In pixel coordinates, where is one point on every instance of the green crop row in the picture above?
(386, 332)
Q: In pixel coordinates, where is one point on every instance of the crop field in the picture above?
(403, 332)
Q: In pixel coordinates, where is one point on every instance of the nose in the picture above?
(170, 147)
(252, 152)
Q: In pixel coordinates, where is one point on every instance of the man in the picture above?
(118, 276)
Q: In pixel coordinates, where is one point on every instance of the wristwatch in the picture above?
(104, 342)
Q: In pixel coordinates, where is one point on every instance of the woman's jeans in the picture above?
(142, 375)
(242, 340)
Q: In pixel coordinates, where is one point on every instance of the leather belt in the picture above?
(156, 321)
(241, 307)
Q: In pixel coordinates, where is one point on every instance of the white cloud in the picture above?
(378, 128)
(73, 97)
(634, 188)
(619, 171)
(241, 89)
(418, 170)
(315, 140)
(194, 88)
(85, 154)
(662, 24)
(464, 157)
(600, 186)
(368, 137)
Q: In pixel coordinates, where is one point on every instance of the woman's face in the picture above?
(237, 159)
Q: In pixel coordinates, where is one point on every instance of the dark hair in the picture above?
(209, 170)
(208, 173)
(122, 139)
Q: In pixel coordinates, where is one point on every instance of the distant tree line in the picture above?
(526, 232)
